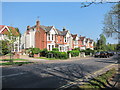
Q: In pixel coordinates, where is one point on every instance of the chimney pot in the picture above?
(64, 29)
(37, 23)
(28, 27)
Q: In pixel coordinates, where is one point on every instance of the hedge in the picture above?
(88, 51)
(34, 50)
(55, 49)
(44, 52)
(74, 53)
(57, 55)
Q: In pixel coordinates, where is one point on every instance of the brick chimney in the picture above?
(64, 29)
(28, 29)
(37, 23)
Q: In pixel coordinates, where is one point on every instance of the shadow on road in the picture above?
(44, 75)
(48, 75)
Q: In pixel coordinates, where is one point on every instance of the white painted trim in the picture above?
(55, 29)
(4, 28)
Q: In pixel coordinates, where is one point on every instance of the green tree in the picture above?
(101, 43)
(4, 47)
(98, 44)
(12, 36)
(17, 29)
(110, 47)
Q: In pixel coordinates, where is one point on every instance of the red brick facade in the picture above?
(49, 37)
(40, 37)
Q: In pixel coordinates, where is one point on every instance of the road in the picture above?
(51, 75)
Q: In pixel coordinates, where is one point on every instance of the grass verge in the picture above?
(100, 81)
(13, 59)
(15, 63)
(48, 58)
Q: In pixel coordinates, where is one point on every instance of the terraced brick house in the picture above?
(5, 31)
(75, 41)
(64, 40)
(85, 43)
(49, 37)
(91, 46)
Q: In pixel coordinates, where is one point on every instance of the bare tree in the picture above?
(111, 22)
(89, 3)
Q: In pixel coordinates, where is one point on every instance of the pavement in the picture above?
(52, 74)
(53, 61)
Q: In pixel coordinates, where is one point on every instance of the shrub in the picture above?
(33, 51)
(4, 47)
(57, 55)
(55, 49)
(44, 52)
(36, 50)
(74, 53)
(88, 51)
(78, 49)
(63, 55)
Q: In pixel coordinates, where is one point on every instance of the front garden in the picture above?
(56, 54)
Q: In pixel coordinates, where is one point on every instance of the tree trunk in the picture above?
(11, 59)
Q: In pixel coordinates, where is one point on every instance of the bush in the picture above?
(55, 49)
(57, 55)
(88, 51)
(74, 53)
(78, 49)
(4, 47)
(36, 50)
(33, 51)
(44, 52)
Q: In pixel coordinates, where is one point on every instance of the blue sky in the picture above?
(82, 21)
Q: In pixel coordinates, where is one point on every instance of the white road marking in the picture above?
(12, 75)
(56, 67)
(49, 68)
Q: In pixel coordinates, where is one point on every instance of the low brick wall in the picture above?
(4, 57)
(16, 56)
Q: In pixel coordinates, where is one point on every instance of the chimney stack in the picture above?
(37, 23)
(64, 29)
(28, 29)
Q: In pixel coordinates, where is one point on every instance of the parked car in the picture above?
(102, 54)
(118, 53)
(111, 53)
(97, 54)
